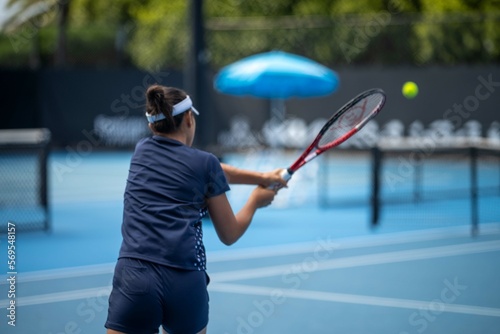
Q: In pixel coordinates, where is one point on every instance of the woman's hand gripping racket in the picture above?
(343, 124)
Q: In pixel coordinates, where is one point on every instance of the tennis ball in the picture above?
(410, 89)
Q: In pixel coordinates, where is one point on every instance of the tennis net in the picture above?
(23, 179)
(417, 181)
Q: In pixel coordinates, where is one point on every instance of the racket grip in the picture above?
(285, 175)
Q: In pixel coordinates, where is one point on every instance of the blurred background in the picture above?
(79, 70)
(72, 79)
(81, 66)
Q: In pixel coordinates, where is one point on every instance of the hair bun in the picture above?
(155, 93)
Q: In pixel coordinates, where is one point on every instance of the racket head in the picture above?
(343, 124)
(350, 118)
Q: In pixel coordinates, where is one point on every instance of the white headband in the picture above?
(178, 108)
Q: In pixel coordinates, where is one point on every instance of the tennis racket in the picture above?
(343, 124)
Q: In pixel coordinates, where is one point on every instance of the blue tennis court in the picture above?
(300, 268)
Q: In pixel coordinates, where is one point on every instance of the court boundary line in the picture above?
(352, 299)
(349, 243)
(358, 260)
(371, 259)
(103, 292)
(58, 297)
(364, 241)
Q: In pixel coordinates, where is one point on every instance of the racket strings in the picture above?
(354, 115)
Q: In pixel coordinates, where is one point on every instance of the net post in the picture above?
(375, 198)
(44, 201)
(498, 171)
(417, 183)
(323, 175)
(473, 191)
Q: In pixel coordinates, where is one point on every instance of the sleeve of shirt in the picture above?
(216, 182)
(141, 141)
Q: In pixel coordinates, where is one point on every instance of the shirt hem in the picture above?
(156, 261)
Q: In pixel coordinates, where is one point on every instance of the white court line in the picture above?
(100, 292)
(354, 261)
(354, 299)
(56, 297)
(61, 273)
(357, 261)
(350, 243)
(279, 250)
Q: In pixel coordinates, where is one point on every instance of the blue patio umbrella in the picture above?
(276, 75)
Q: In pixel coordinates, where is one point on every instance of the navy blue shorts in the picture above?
(146, 295)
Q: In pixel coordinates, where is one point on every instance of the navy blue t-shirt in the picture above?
(165, 200)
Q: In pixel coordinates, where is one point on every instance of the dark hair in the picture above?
(160, 100)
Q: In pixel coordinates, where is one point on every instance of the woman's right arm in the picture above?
(231, 227)
(243, 176)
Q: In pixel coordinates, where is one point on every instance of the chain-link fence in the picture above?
(388, 37)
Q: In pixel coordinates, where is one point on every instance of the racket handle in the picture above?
(285, 175)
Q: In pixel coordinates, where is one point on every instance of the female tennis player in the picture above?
(160, 275)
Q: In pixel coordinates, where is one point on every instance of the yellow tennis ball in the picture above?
(410, 89)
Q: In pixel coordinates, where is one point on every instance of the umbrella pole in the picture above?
(278, 110)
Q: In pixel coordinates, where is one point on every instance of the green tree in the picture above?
(73, 32)
(37, 13)
(160, 37)
(458, 31)
(110, 21)
(156, 33)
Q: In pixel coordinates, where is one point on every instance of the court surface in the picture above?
(300, 268)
